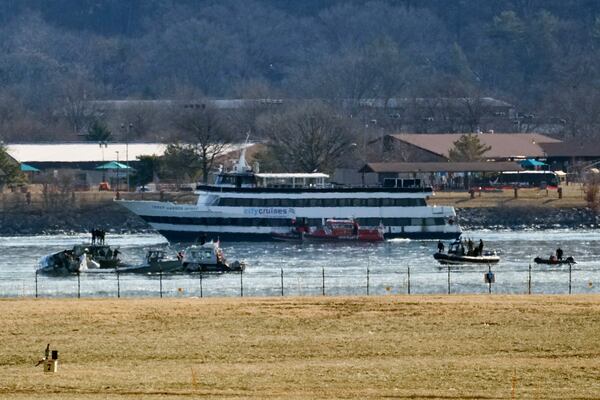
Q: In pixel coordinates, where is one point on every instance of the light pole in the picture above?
(117, 171)
(127, 132)
(103, 145)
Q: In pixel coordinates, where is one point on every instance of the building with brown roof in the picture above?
(437, 174)
(409, 147)
(571, 156)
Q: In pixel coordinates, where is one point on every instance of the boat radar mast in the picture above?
(241, 166)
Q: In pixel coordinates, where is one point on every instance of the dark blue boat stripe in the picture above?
(183, 236)
(273, 222)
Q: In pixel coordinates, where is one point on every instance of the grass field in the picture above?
(573, 196)
(448, 347)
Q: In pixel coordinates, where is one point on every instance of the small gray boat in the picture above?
(208, 257)
(156, 261)
(457, 255)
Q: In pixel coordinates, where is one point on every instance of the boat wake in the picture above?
(398, 240)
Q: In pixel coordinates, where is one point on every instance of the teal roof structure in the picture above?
(113, 165)
(28, 168)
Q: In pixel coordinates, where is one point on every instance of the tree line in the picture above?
(539, 55)
(59, 57)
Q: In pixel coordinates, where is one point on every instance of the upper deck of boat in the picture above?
(326, 189)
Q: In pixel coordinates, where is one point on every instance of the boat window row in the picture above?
(401, 221)
(373, 202)
(272, 222)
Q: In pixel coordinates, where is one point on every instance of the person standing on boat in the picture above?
(470, 247)
(559, 254)
(480, 248)
(440, 246)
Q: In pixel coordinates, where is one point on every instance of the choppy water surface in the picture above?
(344, 266)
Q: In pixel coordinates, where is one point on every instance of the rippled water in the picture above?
(303, 265)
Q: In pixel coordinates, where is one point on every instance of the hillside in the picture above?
(539, 55)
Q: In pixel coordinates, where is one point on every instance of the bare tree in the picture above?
(204, 132)
(76, 107)
(308, 138)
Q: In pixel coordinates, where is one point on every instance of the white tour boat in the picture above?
(247, 205)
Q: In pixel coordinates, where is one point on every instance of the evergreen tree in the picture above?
(147, 168)
(10, 170)
(98, 132)
(468, 148)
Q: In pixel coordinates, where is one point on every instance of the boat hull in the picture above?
(190, 237)
(170, 266)
(445, 259)
(568, 260)
(210, 219)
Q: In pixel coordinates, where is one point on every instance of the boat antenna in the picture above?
(242, 166)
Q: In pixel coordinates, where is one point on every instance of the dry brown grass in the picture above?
(573, 196)
(450, 347)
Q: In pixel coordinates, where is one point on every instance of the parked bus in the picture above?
(525, 179)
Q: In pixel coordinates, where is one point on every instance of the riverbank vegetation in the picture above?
(304, 348)
(60, 57)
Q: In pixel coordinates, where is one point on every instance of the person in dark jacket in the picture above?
(559, 254)
(440, 246)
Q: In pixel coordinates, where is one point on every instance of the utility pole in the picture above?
(103, 145)
(117, 171)
(127, 132)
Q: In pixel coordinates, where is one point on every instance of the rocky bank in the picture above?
(114, 218)
(108, 216)
(517, 218)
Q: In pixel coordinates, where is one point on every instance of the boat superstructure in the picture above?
(247, 205)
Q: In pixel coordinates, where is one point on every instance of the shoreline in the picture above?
(81, 212)
(116, 220)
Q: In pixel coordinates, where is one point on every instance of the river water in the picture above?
(314, 269)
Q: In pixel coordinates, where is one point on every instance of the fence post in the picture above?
(367, 281)
(160, 282)
(448, 278)
(490, 279)
(408, 279)
(569, 278)
(241, 283)
(281, 282)
(78, 285)
(529, 281)
(36, 284)
(200, 276)
(323, 281)
(118, 285)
